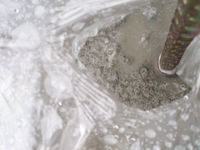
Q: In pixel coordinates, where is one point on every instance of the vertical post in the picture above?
(185, 26)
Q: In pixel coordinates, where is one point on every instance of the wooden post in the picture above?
(185, 26)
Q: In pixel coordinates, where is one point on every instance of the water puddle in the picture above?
(123, 57)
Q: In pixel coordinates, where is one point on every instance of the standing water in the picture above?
(65, 65)
(122, 57)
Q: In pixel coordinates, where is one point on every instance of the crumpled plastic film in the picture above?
(48, 100)
(189, 72)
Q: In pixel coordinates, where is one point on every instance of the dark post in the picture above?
(185, 26)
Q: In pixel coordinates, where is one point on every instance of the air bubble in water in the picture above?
(185, 97)
(60, 103)
(116, 127)
(105, 130)
(168, 144)
(135, 146)
(121, 130)
(169, 135)
(40, 11)
(179, 147)
(159, 128)
(150, 133)
(156, 147)
(173, 124)
(194, 128)
(185, 137)
(197, 142)
(16, 11)
(189, 146)
(133, 139)
(110, 140)
(184, 117)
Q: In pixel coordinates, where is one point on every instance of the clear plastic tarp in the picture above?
(48, 100)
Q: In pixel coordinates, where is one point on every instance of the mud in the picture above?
(123, 57)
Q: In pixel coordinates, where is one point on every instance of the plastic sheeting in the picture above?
(49, 101)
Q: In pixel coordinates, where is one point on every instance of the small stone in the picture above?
(125, 96)
(102, 32)
(116, 94)
(146, 94)
(111, 77)
(118, 48)
(154, 82)
(130, 89)
(151, 91)
(126, 83)
(144, 72)
(120, 89)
